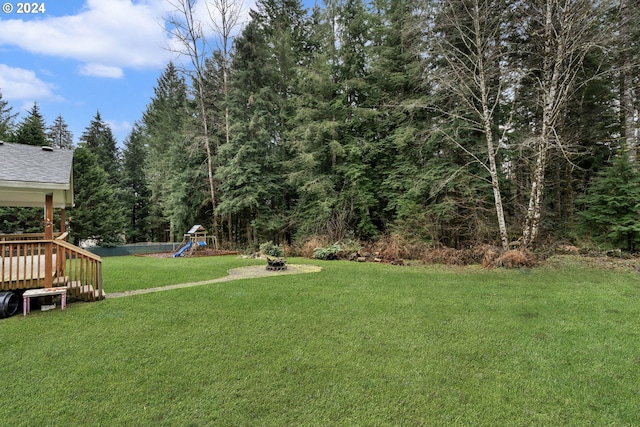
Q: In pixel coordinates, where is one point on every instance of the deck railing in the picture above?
(81, 270)
(27, 264)
(24, 236)
(22, 263)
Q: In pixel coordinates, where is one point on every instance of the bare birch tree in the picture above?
(567, 30)
(189, 34)
(473, 47)
(224, 18)
(629, 97)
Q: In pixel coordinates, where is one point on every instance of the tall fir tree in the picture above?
(7, 119)
(357, 115)
(98, 138)
(316, 150)
(59, 135)
(245, 185)
(402, 79)
(264, 82)
(136, 193)
(165, 129)
(97, 213)
(32, 129)
(20, 220)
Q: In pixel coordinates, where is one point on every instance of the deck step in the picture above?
(85, 291)
(60, 280)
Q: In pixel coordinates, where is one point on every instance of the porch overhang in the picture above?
(29, 174)
(20, 194)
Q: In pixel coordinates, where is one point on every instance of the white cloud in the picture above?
(105, 35)
(208, 17)
(18, 84)
(114, 33)
(123, 127)
(99, 70)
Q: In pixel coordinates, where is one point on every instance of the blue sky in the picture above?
(83, 56)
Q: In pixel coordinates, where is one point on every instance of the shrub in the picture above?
(490, 255)
(485, 255)
(306, 247)
(515, 259)
(396, 246)
(271, 249)
(328, 252)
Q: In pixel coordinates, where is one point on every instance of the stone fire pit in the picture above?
(276, 264)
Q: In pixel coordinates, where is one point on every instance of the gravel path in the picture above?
(249, 272)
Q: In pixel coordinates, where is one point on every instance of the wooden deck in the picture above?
(30, 264)
(24, 268)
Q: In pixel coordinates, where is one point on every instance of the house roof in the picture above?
(28, 173)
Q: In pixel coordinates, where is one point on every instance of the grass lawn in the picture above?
(353, 345)
(126, 273)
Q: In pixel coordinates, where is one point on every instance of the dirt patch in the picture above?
(596, 262)
(249, 272)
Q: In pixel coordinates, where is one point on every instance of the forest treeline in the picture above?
(451, 122)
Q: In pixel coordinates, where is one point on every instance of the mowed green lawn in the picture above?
(353, 345)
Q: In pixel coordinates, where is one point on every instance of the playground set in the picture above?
(195, 239)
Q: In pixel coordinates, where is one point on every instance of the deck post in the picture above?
(48, 235)
(63, 221)
(61, 258)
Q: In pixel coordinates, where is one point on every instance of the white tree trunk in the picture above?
(571, 29)
(555, 85)
(534, 210)
(468, 74)
(487, 122)
(630, 112)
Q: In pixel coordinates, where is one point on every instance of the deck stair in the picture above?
(85, 292)
(75, 289)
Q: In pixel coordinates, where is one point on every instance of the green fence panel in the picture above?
(135, 249)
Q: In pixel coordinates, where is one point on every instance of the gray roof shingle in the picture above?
(28, 163)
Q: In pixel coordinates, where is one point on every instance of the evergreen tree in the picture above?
(97, 213)
(401, 90)
(59, 134)
(215, 91)
(316, 152)
(20, 220)
(99, 139)
(165, 125)
(13, 219)
(612, 213)
(31, 129)
(6, 120)
(264, 82)
(245, 182)
(357, 115)
(186, 29)
(134, 184)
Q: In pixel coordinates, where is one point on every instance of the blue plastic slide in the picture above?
(182, 249)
